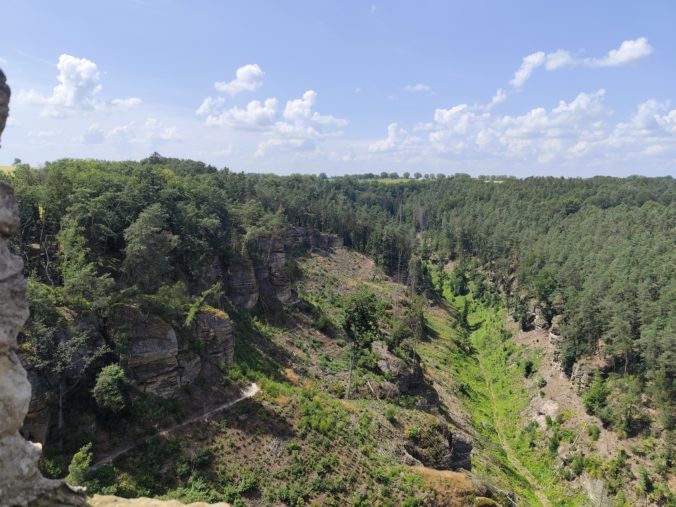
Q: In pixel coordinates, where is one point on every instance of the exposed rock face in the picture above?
(405, 376)
(582, 375)
(153, 355)
(242, 284)
(36, 425)
(437, 447)
(555, 330)
(4, 110)
(263, 278)
(161, 363)
(215, 330)
(20, 480)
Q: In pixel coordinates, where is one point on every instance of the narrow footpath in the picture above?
(109, 457)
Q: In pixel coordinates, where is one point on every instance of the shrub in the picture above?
(554, 442)
(79, 466)
(528, 368)
(390, 413)
(413, 433)
(323, 322)
(594, 432)
(596, 397)
(111, 389)
(645, 482)
(367, 360)
(577, 465)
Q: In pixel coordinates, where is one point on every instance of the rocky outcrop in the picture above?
(160, 363)
(555, 330)
(214, 329)
(151, 357)
(262, 278)
(436, 446)
(4, 105)
(582, 375)
(36, 425)
(242, 283)
(406, 377)
(20, 480)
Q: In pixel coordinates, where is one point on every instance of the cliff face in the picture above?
(160, 362)
(263, 278)
(20, 480)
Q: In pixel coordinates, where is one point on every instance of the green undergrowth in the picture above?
(487, 374)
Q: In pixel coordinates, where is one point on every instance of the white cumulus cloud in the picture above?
(301, 128)
(79, 84)
(528, 65)
(257, 115)
(93, 135)
(247, 78)
(301, 110)
(569, 130)
(629, 51)
(208, 105)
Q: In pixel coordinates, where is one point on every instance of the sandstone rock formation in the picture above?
(21, 483)
(160, 362)
(214, 329)
(20, 480)
(262, 278)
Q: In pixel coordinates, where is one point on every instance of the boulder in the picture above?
(398, 371)
(436, 446)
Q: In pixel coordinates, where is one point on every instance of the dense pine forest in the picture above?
(592, 260)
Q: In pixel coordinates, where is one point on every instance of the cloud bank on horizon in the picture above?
(245, 126)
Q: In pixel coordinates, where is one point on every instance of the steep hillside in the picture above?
(489, 401)
(299, 440)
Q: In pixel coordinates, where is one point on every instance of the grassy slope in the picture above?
(490, 382)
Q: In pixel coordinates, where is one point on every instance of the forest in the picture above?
(592, 259)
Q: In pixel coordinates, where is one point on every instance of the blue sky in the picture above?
(524, 88)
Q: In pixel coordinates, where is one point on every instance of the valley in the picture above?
(227, 352)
